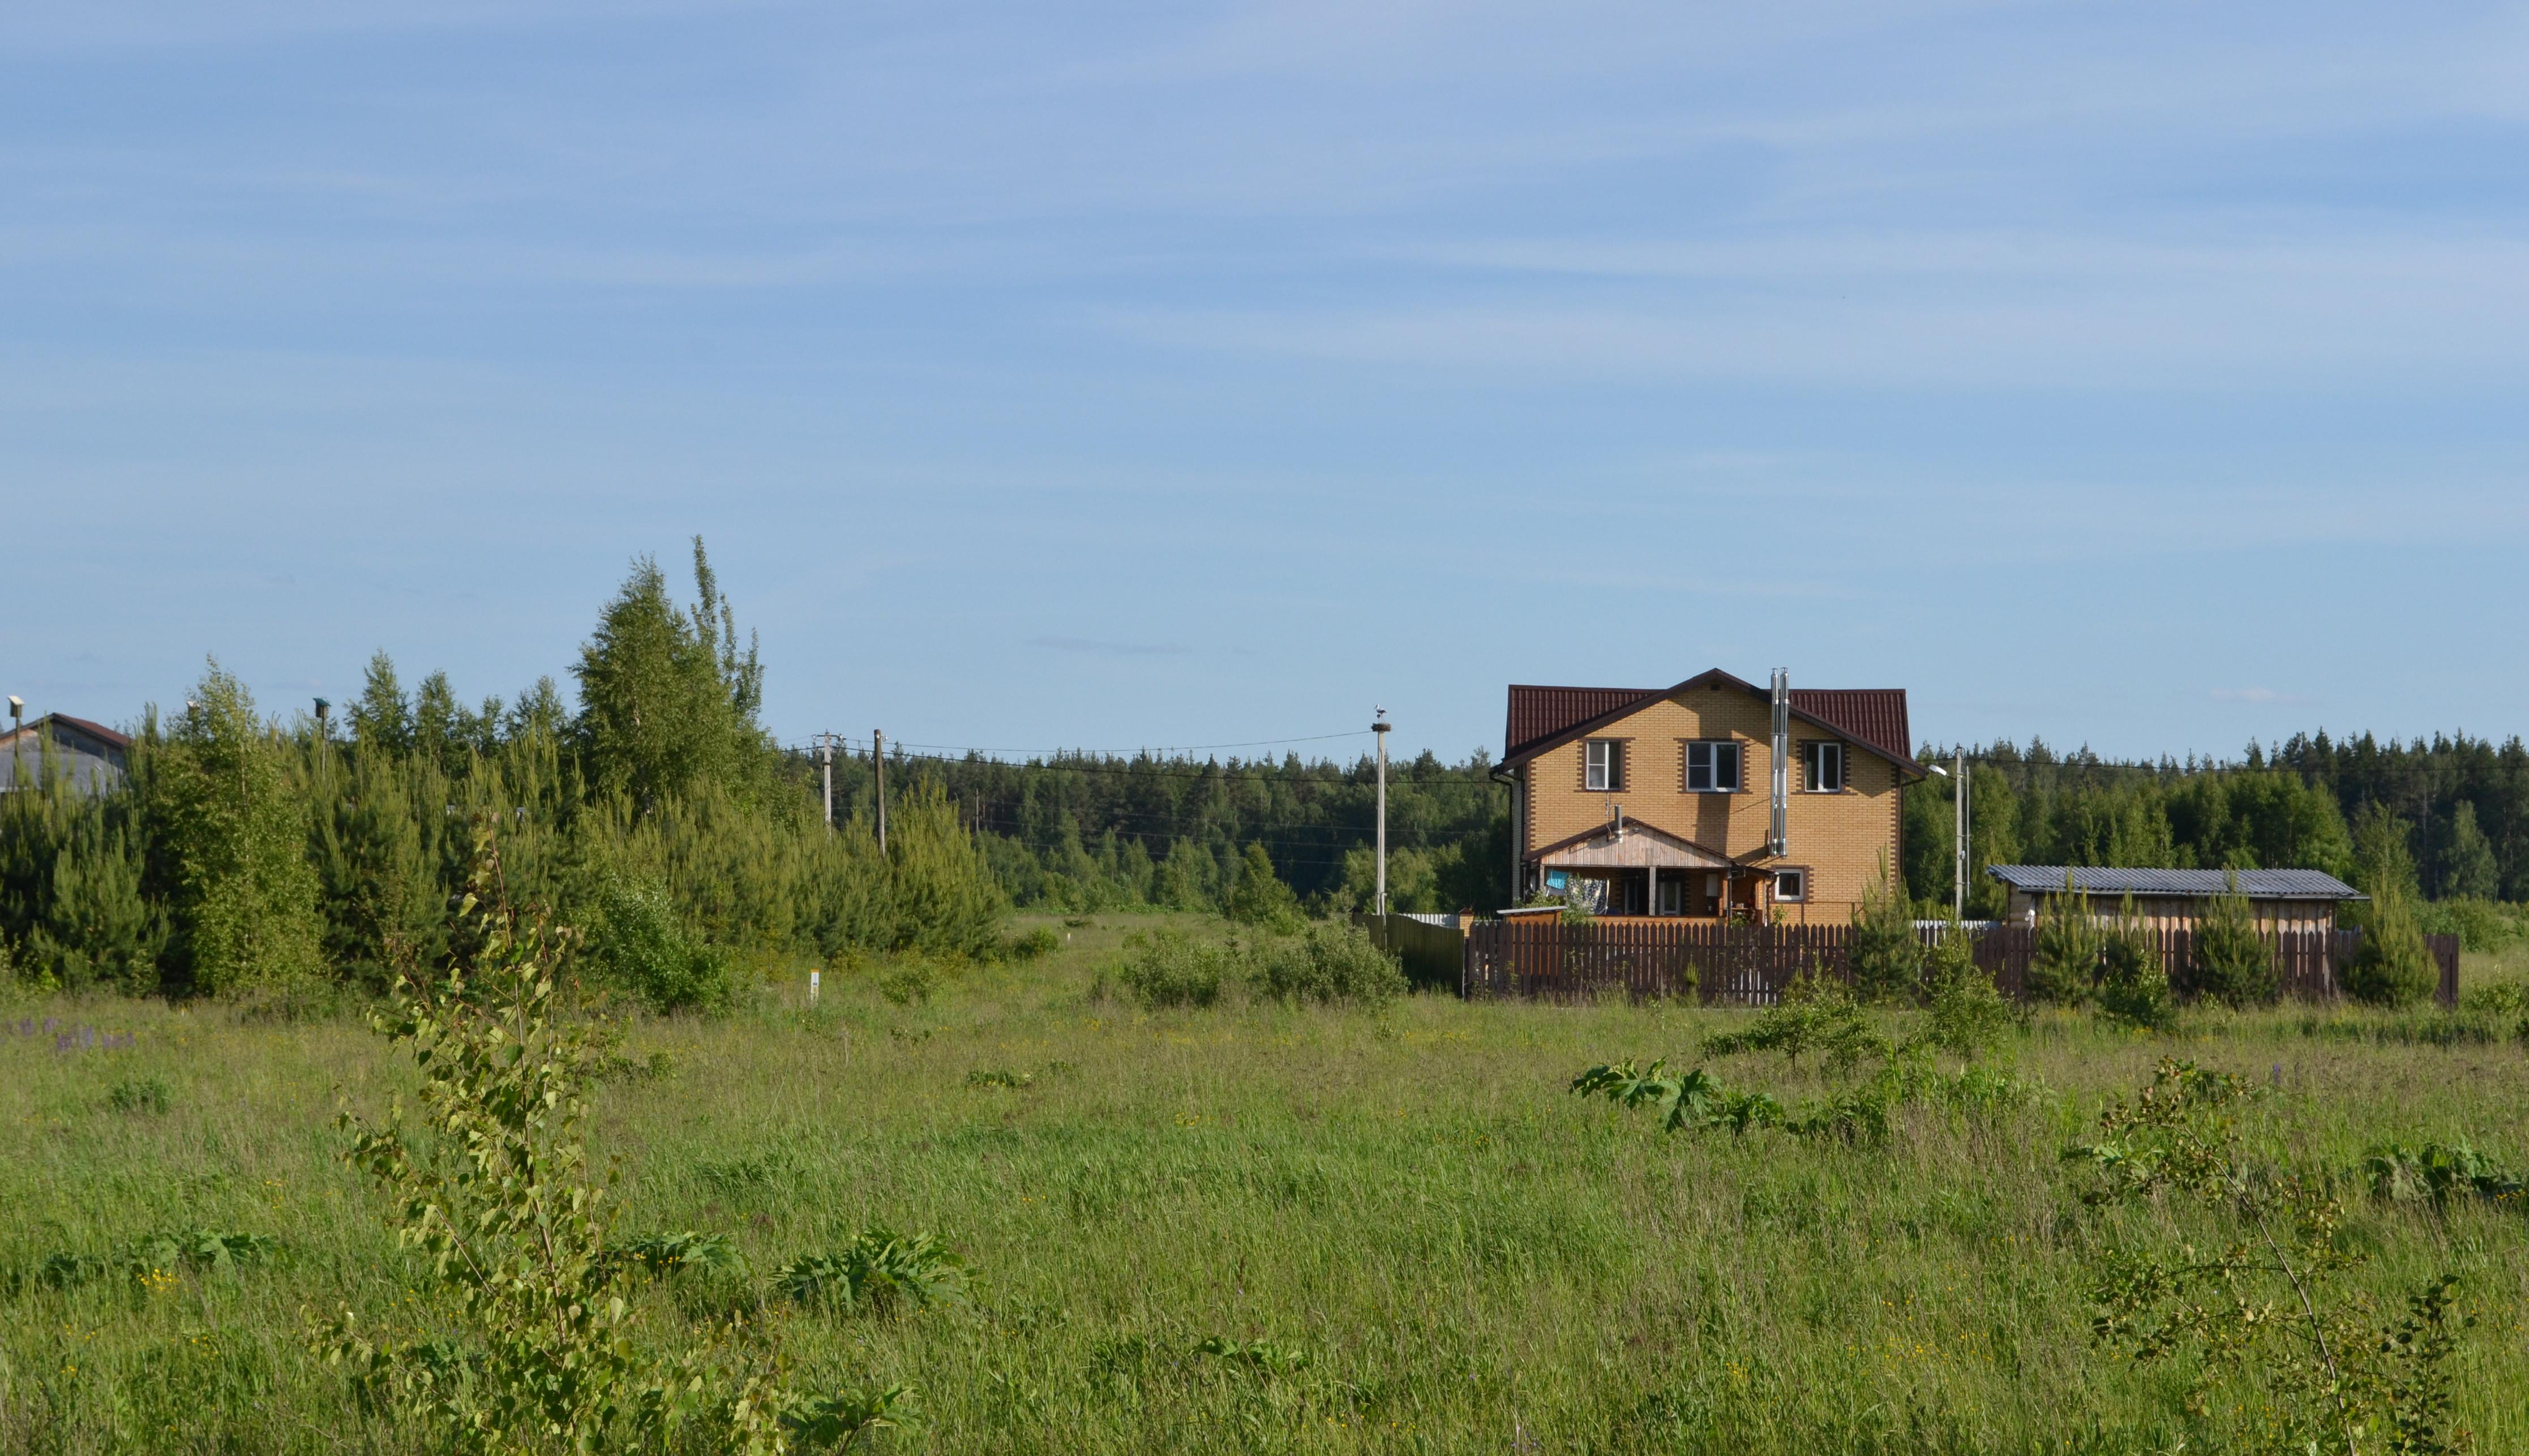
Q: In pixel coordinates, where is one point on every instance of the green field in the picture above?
(1472, 1259)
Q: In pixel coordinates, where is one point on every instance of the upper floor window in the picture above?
(1822, 767)
(1712, 768)
(1603, 764)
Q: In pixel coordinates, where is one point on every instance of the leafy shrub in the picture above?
(137, 1095)
(840, 1419)
(641, 944)
(2064, 970)
(910, 982)
(2269, 1310)
(2435, 1173)
(523, 1341)
(1328, 963)
(2391, 967)
(613, 1065)
(1985, 1089)
(1817, 1012)
(1859, 1113)
(2483, 926)
(161, 1254)
(2134, 983)
(2233, 963)
(680, 1253)
(1166, 967)
(1687, 1099)
(878, 1274)
(1968, 1015)
(1035, 944)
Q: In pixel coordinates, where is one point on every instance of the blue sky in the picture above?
(2140, 374)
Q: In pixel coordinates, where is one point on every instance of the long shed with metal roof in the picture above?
(2175, 899)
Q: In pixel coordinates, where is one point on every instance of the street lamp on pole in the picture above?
(1378, 727)
(1958, 831)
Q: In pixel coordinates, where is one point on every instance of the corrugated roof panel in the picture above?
(1873, 717)
(1538, 714)
(2261, 885)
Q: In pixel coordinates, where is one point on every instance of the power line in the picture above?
(1040, 838)
(1337, 776)
(1279, 862)
(1143, 767)
(1143, 750)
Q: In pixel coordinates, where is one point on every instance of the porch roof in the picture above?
(1639, 847)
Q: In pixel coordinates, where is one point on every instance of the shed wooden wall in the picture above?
(2182, 912)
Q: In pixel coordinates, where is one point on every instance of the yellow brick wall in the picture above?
(1842, 839)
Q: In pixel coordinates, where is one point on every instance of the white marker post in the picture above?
(812, 988)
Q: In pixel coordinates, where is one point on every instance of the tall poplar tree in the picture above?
(236, 832)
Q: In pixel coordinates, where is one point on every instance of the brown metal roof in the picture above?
(1873, 717)
(120, 742)
(96, 730)
(1542, 717)
(1538, 714)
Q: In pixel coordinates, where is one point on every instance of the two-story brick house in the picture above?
(1664, 801)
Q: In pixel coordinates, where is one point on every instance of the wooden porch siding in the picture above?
(1749, 965)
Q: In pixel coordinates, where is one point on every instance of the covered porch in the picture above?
(1632, 869)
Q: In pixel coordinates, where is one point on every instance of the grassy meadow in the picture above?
(1469, 1257)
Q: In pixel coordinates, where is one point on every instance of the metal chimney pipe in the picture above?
(1778, 842)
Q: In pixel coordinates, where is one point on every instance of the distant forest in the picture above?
(1096, 832)
(2450, 814)
(654, 812)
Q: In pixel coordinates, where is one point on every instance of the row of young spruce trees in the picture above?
(242, 856)
(246, 854)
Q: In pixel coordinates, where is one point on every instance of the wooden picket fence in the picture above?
(1748, 965)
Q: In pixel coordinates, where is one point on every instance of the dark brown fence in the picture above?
(1749, 965)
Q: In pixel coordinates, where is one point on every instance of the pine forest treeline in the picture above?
(2448, 818)
(654, 812)
(245, 855)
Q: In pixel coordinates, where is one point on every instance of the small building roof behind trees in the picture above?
(88, 755)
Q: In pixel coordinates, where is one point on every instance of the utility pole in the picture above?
(1378, 727)
(826, 766)
(1958, 826)
(878, 756)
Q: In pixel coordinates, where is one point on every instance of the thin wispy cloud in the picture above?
(1411, 345)
(1104, 648)
(2256, 695)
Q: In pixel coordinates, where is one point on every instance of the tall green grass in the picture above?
(1257, 1226)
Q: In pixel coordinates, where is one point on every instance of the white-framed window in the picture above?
(1712, 768)
(1790, 884)
(1603, 764)
(1822, 767)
